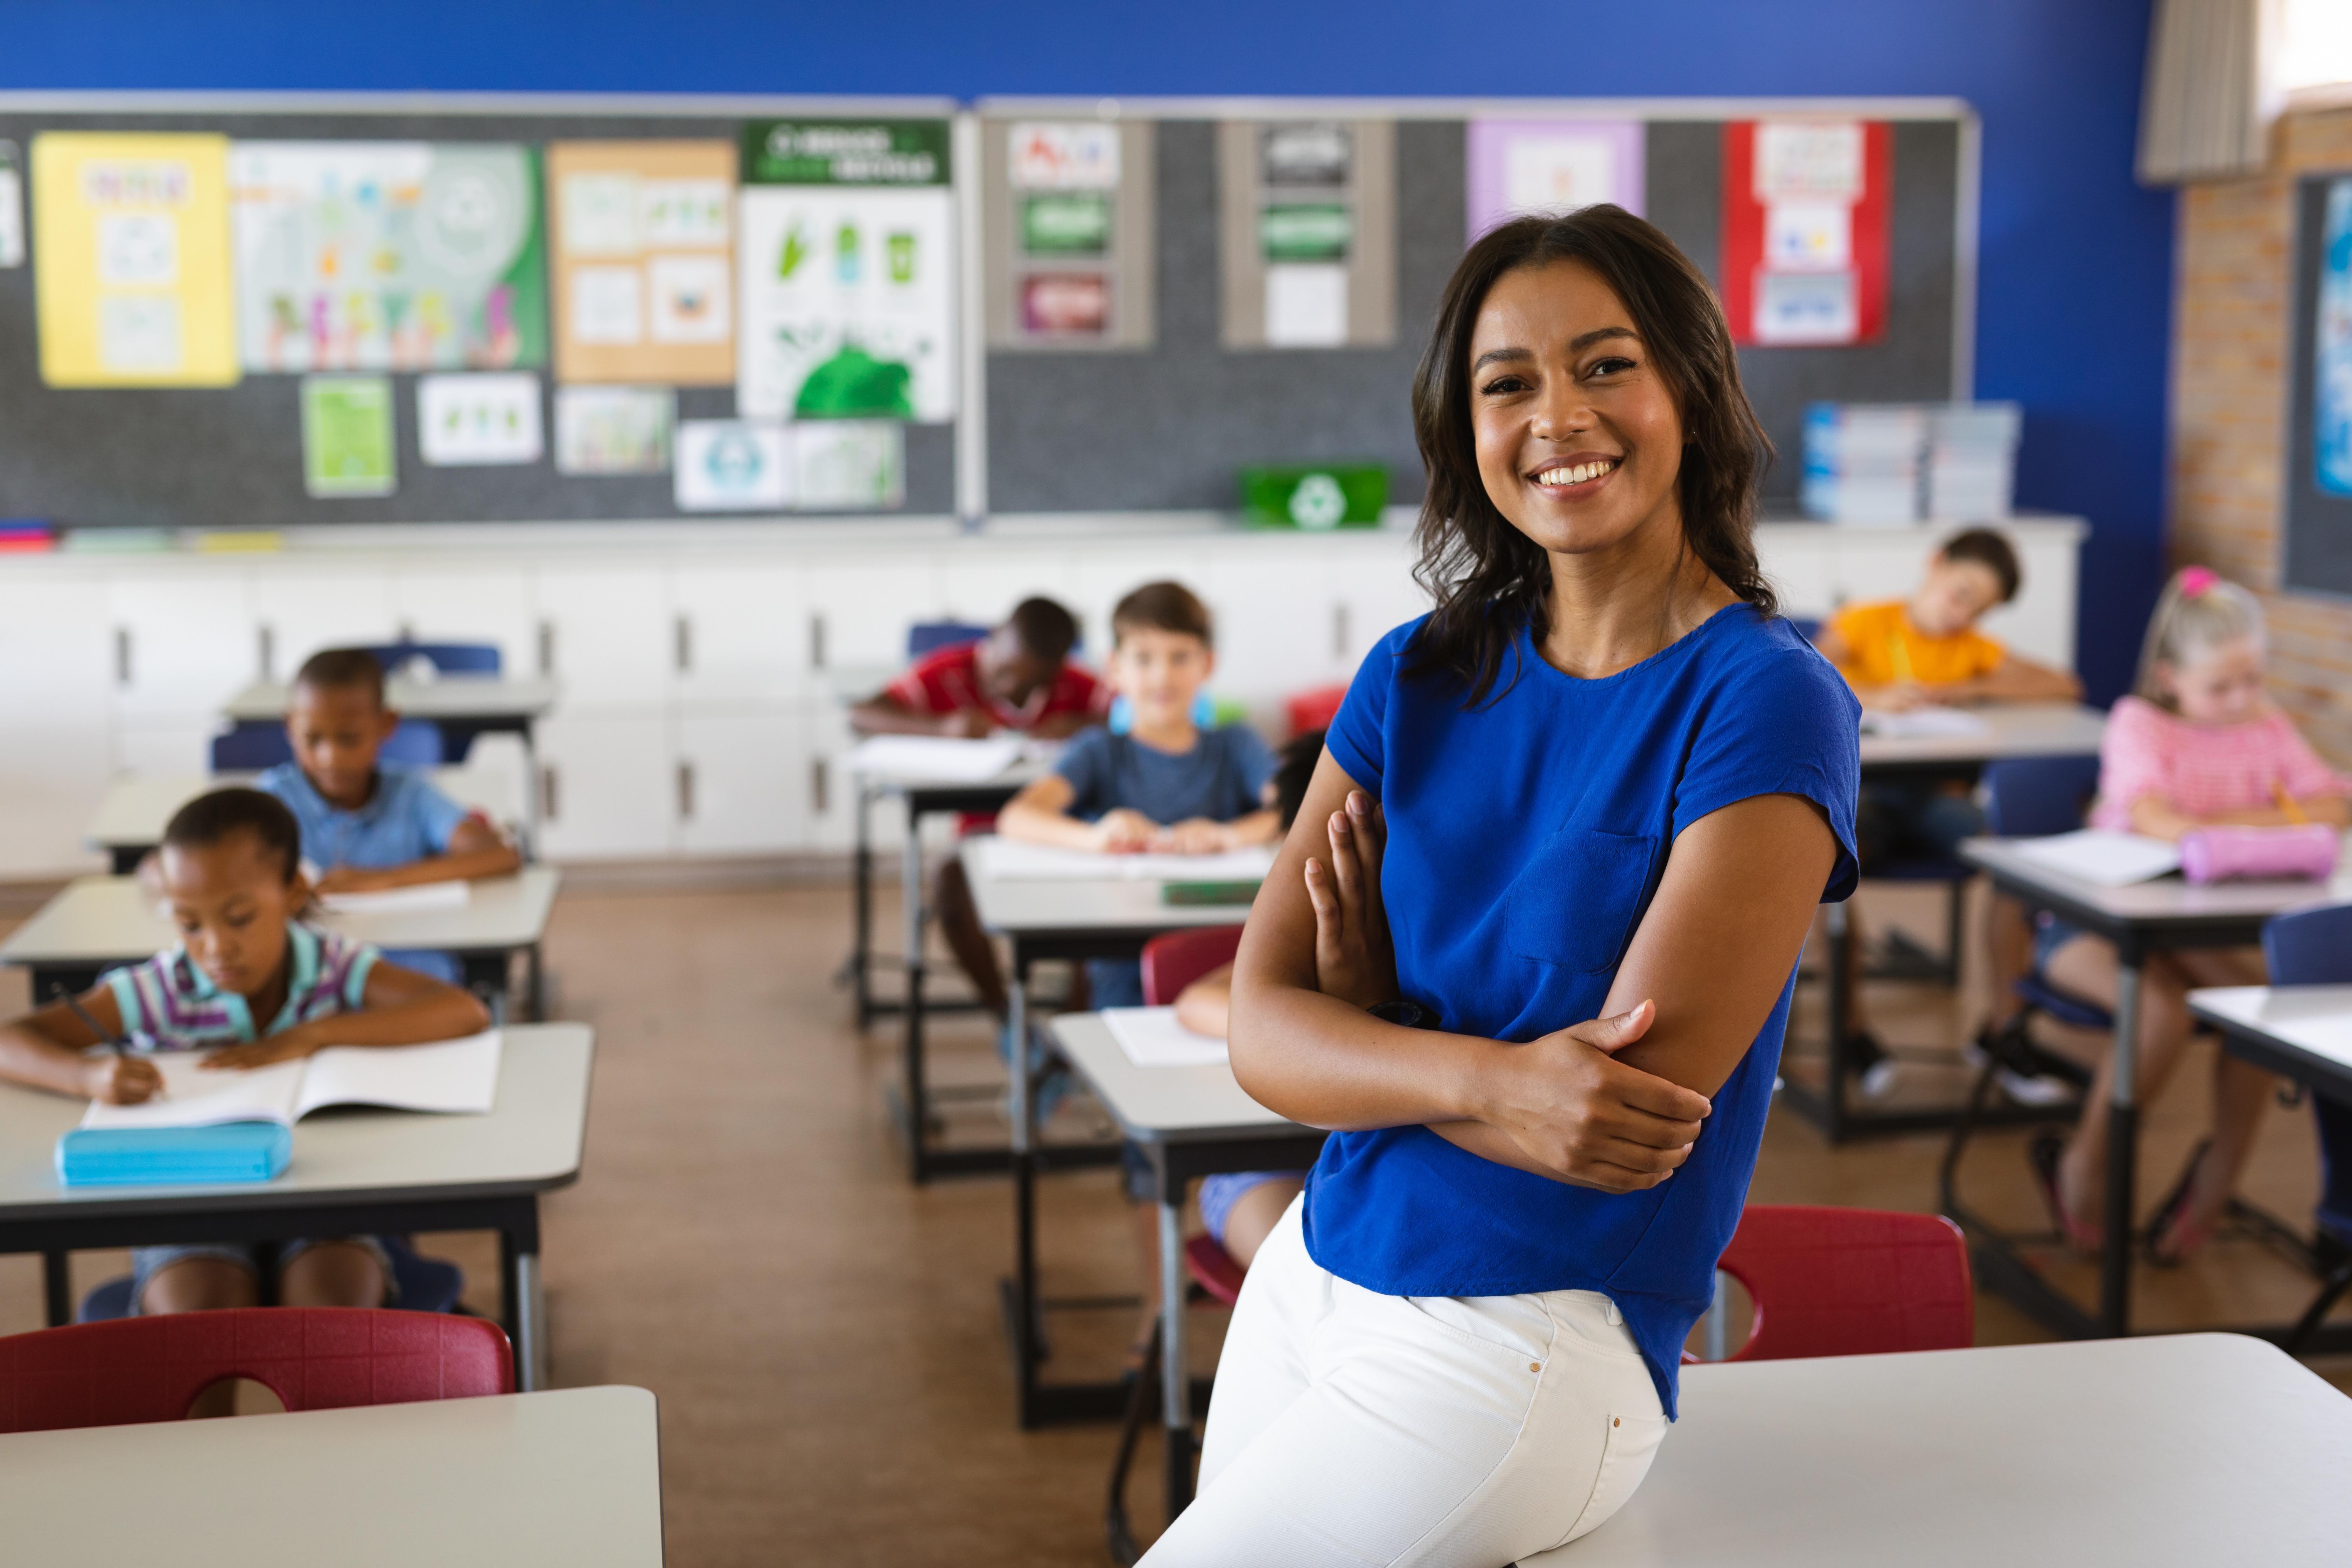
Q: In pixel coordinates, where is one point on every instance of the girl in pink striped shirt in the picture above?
(2196, 743)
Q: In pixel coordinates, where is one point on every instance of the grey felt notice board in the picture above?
(231, 458)
(1169, 426)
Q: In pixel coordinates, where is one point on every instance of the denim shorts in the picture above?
(1219, 1194)
(146, 1262)
(2049, 936)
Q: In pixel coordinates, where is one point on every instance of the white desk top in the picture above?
(107, 920)
(2163, 899)
(451, 697)
(2194, 1448)
(2313, 1018)
(1156, 1105)
(133, 810)
(1114, 906)
(2011, 730)
(571, 1476)
(529, 1143)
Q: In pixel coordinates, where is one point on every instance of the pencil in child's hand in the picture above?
(2294, 813)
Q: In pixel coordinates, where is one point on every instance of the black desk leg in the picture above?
(917, 1096)
(1176, 1381)
(535, 983)
(56, 1287)
(2123, 1150)
(861, 951)
(523, 1298)
(1836, 926)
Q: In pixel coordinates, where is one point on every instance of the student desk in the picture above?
(132, 813)
(98, 922)
(2300, 1032)
(464, 706)
(572, 1476)
(2142, 919)
(911, 1105)
(1056, 918)
(352, 1170)
(2011, 730)
(1190, 1122)
(2190, 1448)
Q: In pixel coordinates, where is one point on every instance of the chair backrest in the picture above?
(2033, 797)
(1172, 962)
(255, 744)
(445, 658)
(929, 636)
(1832, 1282)
(1311, 711)
(2310, 947)
(135, 1370)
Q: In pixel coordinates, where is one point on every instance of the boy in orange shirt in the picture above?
(1900, 654)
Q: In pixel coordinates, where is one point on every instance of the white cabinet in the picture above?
(299, 611)
(606, 790)
(831, 819)
(185, 641)
(740, 784)
(489, 603)
(737, 634)
(857, 608)
(607, 634)
(55, 649)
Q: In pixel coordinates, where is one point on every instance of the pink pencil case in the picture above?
(2218, 854)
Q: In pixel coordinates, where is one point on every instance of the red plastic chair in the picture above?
(1173, 962)
(1311, 711)
(1832, 1282)
(135, 1370)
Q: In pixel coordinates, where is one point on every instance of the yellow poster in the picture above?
(131, 259)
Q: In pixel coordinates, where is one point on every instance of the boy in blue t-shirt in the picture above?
(368, 825)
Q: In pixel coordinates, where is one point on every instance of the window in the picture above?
(2315, 44)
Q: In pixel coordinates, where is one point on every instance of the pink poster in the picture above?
(1519, 167)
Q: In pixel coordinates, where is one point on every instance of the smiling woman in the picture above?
(1580, 817)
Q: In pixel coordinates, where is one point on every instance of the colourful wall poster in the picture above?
(2332, 406)
(1521, 166)
(348, 446)
(475, 419)
(387, 255)
(845, 264)
(613, 429)
(1804, 230)
(131, 259)
(642, 235)
(732, 464)
(849, 465)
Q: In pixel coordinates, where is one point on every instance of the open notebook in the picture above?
(233, 1126)
(417, 898)
(934, 758)
(2099, 855)
(1009, 861)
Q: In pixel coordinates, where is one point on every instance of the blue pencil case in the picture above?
(169, 1156)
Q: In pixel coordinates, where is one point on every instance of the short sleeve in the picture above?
(1786, 725)
(434, 814)
(2134, 762)
(1084, 762)
(1357, 736)
(363, 960)
(2303, 773)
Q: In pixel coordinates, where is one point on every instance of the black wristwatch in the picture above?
(1411, 1014)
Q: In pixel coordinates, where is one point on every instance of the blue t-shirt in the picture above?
(1526, 840)
(406, 820)
(1221, 777)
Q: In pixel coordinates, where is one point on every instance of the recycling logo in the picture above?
(1319, 503)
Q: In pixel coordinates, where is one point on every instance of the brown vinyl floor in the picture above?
(823, 1337)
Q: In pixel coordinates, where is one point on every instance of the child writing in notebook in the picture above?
(1902, 654)
(2196, 743)
(249, 977)
(368, 824)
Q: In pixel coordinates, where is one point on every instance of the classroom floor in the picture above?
(823, 1337)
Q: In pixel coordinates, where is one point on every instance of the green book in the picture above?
(1207, 893)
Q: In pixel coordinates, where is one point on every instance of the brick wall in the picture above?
(2231, 313)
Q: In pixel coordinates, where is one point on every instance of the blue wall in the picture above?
(2075, 303)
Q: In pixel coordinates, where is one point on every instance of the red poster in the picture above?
(1804, 230)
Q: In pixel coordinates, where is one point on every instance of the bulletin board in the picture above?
(78, 451)
(1166, 424)
(2315, 492)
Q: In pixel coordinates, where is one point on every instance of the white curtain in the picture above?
(2212, 92)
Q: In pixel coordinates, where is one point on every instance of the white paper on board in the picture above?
(1797, 160)
(732, 464)
(1559, 174)
(472, 420)
(848, 464)
(608, 305)
(1795, 307)
(1062, 156)
(1306, 305)
(12, 217)
(613, 429)
(139, 333)
(600, 214)
(1809, 236)
(688, 299)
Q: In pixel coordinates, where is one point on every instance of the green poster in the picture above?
(1306, 231)
(347, 437)
(846, 152)
(1066, 223)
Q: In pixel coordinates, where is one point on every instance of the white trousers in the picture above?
(1353, 1428)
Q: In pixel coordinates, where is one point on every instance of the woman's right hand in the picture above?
(1354, 958)
(123, 1080)
(1569, 1109)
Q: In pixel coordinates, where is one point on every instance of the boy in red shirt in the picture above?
(1018, 677)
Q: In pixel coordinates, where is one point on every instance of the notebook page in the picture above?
(454, 1077)
(934, 757)
(1010, 861)
(1922, 723)
(194, 1097)
(1151, 1037)
(2110, 859)
(450, 895)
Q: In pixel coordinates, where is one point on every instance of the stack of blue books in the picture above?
(161, 1156)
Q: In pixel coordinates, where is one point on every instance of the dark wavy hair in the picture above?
(1487, 577)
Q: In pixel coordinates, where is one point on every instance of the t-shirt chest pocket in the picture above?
(1574, 902)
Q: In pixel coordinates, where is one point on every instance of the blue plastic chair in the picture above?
(2313, 947)
(926, 637)
(445, 658)
(257, 743)
(425, 1285)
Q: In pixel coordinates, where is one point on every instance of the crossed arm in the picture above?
(1613, 1103)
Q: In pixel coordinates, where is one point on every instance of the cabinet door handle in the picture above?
(122, 656)
(547, 647)
(820, 781)
(1339, 631)
(685, 792)
(265, 649)
(548, 792)
(816, 642)
(682, 636)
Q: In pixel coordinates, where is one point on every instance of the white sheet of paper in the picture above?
(1306, 305)
(934, 758)
(689, 300)
(613, 429)
(194, 1097)
(453, 895)
(452, 1077)
(2110, 859)
(608, 304)
(1151, 1037)
(1008, 861)
(1807, 308)
(12, 216)
(730, 465)
(848, 464)
(473, 419)
(1921, 723)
